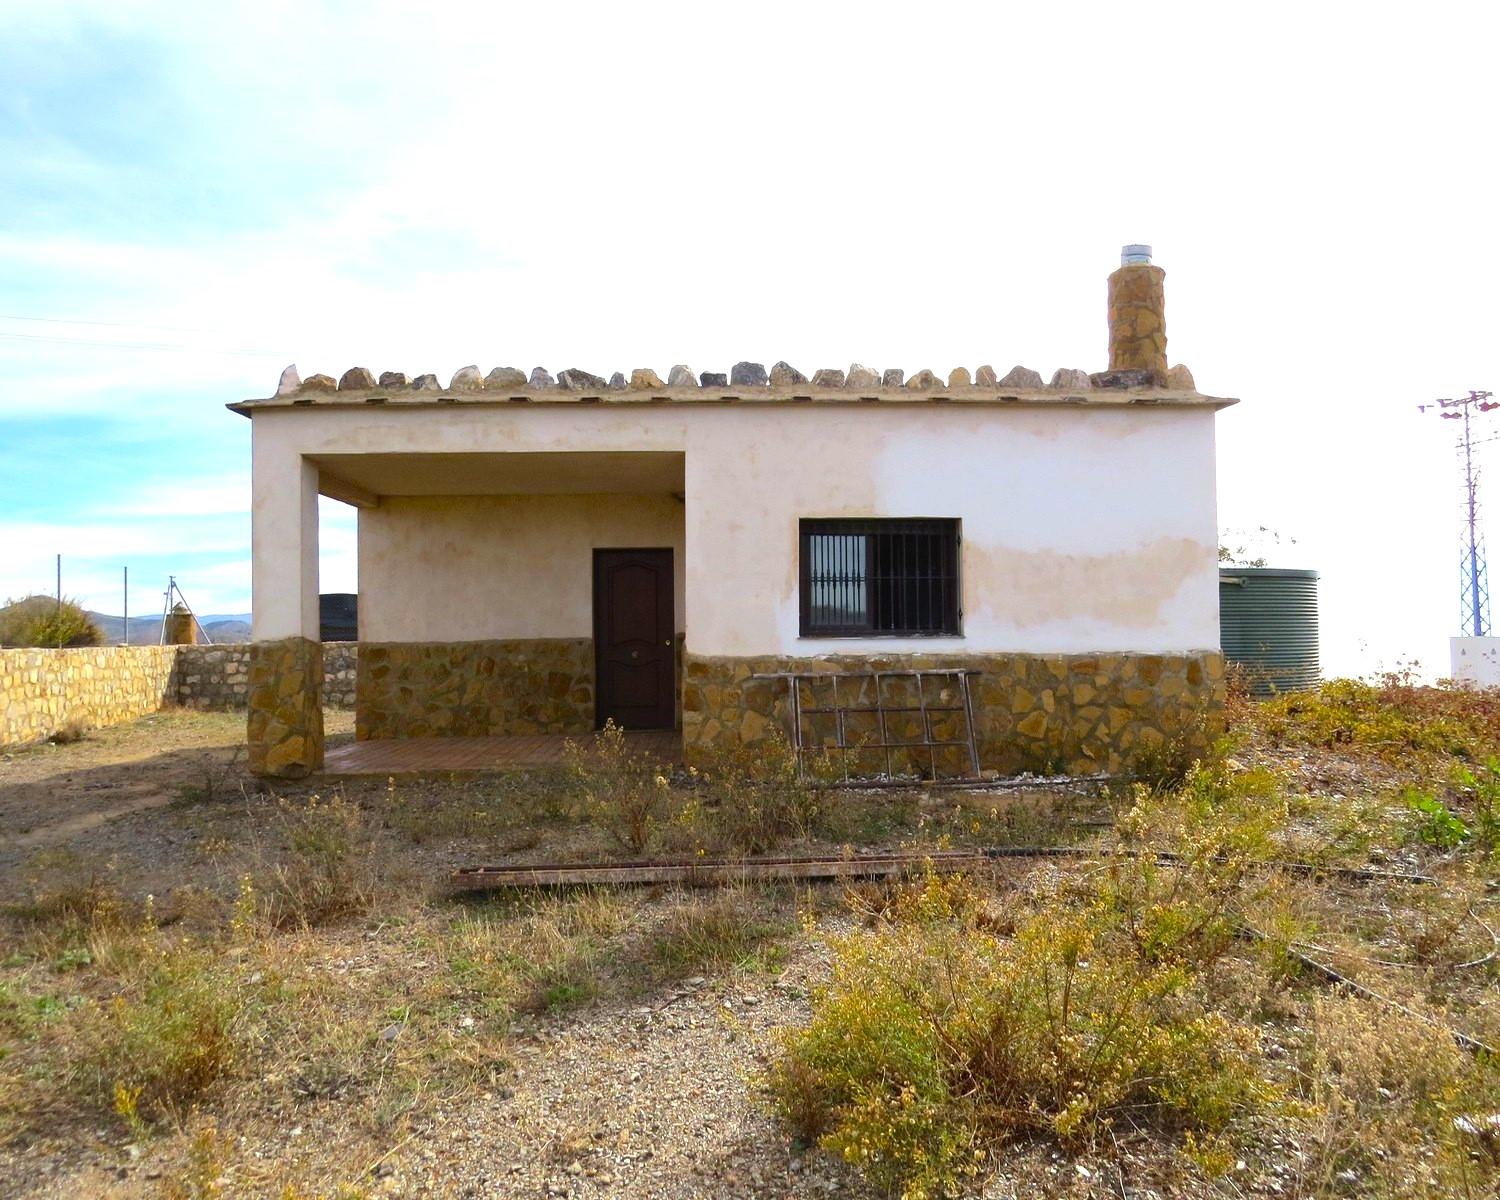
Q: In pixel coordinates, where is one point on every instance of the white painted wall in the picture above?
(1084, 528)
(469, 568)
(1475, 660)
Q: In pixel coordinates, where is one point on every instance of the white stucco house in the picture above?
(540, 555)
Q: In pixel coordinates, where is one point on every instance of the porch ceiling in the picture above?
(519, 473)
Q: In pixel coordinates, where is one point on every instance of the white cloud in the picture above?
(172, 498)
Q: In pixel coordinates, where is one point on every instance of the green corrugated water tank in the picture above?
(1268, 623)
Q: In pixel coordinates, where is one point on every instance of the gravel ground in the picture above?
(653, 1096)
(654, 1100)
(649, 1091)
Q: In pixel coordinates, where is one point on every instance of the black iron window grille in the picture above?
(879, 578)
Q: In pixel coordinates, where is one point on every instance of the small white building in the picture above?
(1475, 661)
(540, 555)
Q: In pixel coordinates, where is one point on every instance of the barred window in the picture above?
(876, 577)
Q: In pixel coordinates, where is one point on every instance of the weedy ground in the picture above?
(212, 990)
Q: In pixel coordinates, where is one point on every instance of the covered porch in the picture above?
(397, 757)
(508, 601)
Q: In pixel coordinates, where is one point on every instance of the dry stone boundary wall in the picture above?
(218, 677)
(44, 691)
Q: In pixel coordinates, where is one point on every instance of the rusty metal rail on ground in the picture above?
(881, 711)
(710, 872)
(716, 872)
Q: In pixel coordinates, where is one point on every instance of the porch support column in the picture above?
(285, 722)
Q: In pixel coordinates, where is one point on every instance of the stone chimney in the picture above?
(1138, 316)
(182, 630)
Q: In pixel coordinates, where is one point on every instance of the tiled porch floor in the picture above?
(439, 755)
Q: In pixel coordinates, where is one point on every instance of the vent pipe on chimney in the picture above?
(1138, 315)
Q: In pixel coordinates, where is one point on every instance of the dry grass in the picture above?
(1123, 995)
(280, 1003)
(305, 972)
(331, 865)
(537, 954)
(738, 929)
(1394, 719)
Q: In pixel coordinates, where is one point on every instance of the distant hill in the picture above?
(145, 629)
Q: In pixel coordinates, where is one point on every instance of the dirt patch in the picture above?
(50, 793)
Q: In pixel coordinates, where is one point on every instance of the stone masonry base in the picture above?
(474, 689)
(1080, 713)
(285, 726)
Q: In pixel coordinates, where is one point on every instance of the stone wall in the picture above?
(340, 674)
(218, 677)
(1080, 713)
(43, 691)
(467, 689)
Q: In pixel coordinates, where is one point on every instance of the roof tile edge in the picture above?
(1111, 397)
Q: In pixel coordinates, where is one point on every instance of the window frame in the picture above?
(952, 615)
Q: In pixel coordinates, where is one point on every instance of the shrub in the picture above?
(1482, 790)
(1165, 764)
(200, 1173)
(939, 1034)
(543, 956)
(756, 797)
(1385, 1085)
(624, 793)
(43, 621)
(1392, 718)
(500, 808)
(67, 891)
(1433, 822)
(329, 869)
(71, 730)
(158, 1047)
(936, 1036)
(1215, 830)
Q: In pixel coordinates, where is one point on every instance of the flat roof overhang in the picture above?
(361, 479)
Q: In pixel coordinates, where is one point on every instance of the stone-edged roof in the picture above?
(747, 382)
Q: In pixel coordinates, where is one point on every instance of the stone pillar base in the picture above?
(285, 727)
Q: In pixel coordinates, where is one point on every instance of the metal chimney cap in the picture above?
(1134, 253)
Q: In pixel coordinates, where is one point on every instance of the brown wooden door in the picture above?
(633, 651)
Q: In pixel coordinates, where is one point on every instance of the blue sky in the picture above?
(196, 195)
